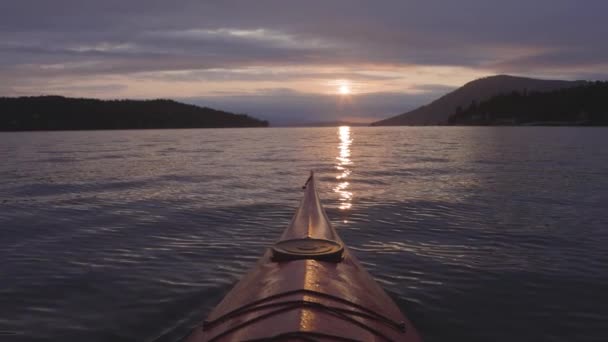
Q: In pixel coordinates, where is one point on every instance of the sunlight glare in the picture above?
(344, 89)
(343, 165)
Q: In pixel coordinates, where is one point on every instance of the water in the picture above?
(480, 234)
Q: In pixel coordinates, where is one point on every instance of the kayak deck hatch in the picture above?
(308, 248)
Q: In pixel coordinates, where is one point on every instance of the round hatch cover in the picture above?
(318, 249)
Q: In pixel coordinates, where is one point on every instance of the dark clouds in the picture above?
(420, 32)
(43, 43)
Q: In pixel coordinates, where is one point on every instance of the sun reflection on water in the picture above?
(343, 167)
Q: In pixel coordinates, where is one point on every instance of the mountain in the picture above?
(62, 113)
(582, 105)
(438, 111)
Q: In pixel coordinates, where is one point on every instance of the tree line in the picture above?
(582, 105)
(61, 113)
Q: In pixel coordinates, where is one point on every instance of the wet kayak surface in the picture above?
(477, 233)
(307, 286)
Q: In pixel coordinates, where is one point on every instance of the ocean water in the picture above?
(480, 234)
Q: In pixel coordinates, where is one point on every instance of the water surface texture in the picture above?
(480, 234)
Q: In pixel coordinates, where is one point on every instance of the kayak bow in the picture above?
(307, 287)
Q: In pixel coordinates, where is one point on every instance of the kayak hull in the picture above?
(307, 298)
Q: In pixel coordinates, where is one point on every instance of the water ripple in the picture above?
(478, 233)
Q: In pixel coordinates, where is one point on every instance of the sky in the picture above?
(293, 61)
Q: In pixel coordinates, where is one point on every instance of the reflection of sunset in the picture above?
(342, 166)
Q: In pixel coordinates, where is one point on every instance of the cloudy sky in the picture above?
(291, 61)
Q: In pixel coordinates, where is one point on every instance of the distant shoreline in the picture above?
(504, 100)
(128, 129)
(297, 127)
(57, 113)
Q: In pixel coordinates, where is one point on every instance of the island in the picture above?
(439, 111)
(585, 105)
(63, 113)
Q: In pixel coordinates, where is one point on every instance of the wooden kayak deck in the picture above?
(307, 298)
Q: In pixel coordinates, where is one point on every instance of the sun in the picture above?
(344, 89)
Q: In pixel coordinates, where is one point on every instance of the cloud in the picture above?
(433, 88)
(229, 33)
(142, 48)
(559, 61)
(262, 74)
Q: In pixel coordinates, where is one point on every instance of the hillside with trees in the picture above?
(61, 113)
(438, 111)
(583, 105)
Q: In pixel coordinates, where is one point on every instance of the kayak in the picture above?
(307, 287)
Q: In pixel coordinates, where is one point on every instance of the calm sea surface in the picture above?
(480, 234)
